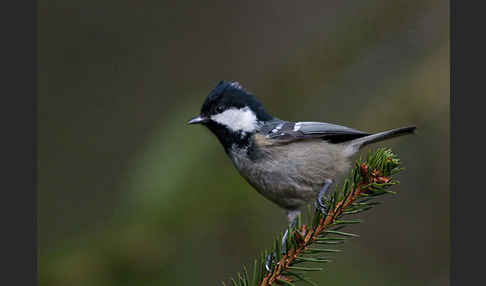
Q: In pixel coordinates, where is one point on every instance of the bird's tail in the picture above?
(357, 144)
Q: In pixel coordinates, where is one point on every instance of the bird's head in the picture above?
(231, 113)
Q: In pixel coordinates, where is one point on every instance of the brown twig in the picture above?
(305, 238)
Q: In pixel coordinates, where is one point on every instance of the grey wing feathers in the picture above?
(290, 131)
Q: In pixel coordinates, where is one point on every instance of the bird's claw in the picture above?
(269, 259)
(321, 207)
(283, 248)
(319, 204)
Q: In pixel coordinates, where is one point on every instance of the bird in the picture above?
(290, 163)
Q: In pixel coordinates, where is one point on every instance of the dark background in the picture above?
(128, 194)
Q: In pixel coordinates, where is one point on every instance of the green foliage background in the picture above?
(130, 195)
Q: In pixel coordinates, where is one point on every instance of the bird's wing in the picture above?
(285, 131)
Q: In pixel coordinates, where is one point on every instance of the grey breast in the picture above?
(291, 174)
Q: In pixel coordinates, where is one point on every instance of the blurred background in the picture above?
(131, 195)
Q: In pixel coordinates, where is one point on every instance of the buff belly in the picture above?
(291, 176)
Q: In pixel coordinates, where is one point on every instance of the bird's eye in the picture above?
(220, 108)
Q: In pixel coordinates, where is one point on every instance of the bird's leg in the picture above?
(319, 204)
(268, 260)
(292, 218)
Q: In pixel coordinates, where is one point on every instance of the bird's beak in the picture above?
(197, 120)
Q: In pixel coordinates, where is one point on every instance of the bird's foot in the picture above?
(319, 204)
(268, 260)
(292, 215)
(283, 249)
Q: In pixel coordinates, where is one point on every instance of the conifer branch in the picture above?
(307, 243)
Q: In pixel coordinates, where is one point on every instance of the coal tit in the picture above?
(289, 163)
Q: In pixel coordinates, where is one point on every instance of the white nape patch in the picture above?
(236, 84)
(242, 119)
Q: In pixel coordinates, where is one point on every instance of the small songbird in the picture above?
(289, 163)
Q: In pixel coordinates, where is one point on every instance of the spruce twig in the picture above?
(367, 180)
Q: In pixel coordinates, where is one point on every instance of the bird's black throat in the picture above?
(228, 138)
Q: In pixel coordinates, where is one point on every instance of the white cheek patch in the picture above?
(237, 119)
